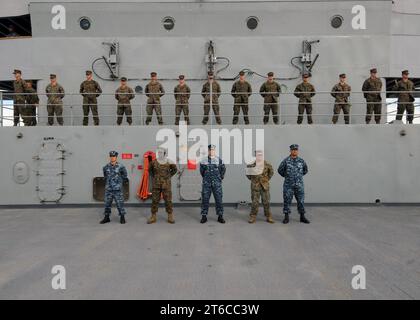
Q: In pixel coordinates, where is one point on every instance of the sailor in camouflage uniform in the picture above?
(55, 94)
(124, 94)
(114, 174)
(372, 92)
(341, 93)
(154, 91)
(292, 169)
(241, 91)
(305, 91)
(270, 91)
(162, 171)
(213, 170)
(90, 90)
(19, 88)
(405, 97)
(32, 102)
(205, 93)
(260, 173)
(182, 94)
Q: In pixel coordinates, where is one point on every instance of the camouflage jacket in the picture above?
(216, 91)
(162, 174)
(90, 90)
(55, 94)
(114, 177)
(241, 91)
(19, 87)
(154, 91)
(341, 92)
(293, 170)
(124, 95)
(305, 92)
(212, 170)
(263, 179)
(182, 94)
(402, 87)
(372, 85)
(270, 91)
(31, 97)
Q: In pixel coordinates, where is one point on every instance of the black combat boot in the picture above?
(303, 219)
(220, 219)
(105, 220)
(203, 219)
(286, 219)
(122, 220)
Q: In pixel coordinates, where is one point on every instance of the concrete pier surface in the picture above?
(211, 261)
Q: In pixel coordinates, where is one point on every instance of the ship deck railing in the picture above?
(287, 109)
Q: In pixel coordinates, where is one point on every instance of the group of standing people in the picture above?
(212, 170)
(26, 99)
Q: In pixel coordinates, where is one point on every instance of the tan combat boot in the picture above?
(270, 218)
(171, 218)
(152, 219)
(252, 218)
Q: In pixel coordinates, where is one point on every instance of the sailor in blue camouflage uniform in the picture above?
(213, 170)
(115, 174)
(293, 168)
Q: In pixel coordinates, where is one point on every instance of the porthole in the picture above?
(168, 23)
(252, 23)
(138, 89)
(336, 21)
(85, 23)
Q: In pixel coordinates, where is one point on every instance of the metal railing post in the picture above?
(211, 102)
(1, 109)
(71, 115)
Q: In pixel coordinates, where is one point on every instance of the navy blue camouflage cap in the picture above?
(113, 154)
(212, 147)
(294, 147)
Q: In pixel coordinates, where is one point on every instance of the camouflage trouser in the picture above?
(207, 190)
(216, 111)
(373, 107)
(167, 197)
(57, 110)
(118, 196)
(237, 108)
(86, 108)
(274, 107)
(265, 198)
(346, 110)
(124, 109)
(288, 193)
(149, 110)
(34, 121)
(301, 109)
(409, 108)
(27, 114)
(181, 108)
(18, 107)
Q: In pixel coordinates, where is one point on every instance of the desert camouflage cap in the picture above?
(88, 72)
(374, 70)
(405, 72)
(53, 76)
(270, 74)
(17, 71)
(123, 79)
